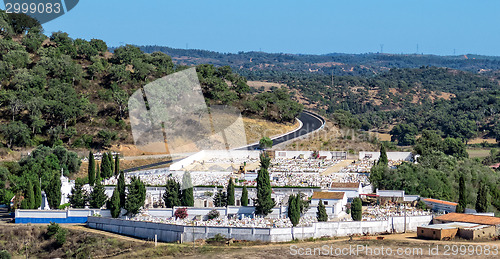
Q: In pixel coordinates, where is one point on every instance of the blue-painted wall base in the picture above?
(73, 220)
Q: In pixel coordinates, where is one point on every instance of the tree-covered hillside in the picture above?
(57, 90)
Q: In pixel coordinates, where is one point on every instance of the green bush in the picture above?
(61, 236)
(64, 206)
(52, 229)
(4, 254)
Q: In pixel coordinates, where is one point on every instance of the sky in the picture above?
(310, 27)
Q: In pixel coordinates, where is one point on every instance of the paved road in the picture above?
(310, 123)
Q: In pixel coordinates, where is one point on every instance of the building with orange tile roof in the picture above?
(440, 205)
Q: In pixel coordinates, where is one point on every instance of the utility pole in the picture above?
(381, 48)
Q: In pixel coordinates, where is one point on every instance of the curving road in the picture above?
(310, 122)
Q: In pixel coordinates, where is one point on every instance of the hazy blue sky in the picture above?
(320, 26)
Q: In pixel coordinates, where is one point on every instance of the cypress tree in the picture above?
(53, 191)
(230, 193)
(117, 165)
(106, 171)
(136, 196)
(38, 194)
(187, 197)
(383, 156)
(356, 209)
(294, 209)
(77, 199)
(462, 203)
(321, 214)
(171, 194)
(482, 198)
(111, 164)
(244, 196)
(264, 203)
(98, 196)
(220, 199)
(91, 169)
(29, 196)
(121, 189)
(98, 177)
(115, 204)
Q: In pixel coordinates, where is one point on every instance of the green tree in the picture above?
(16, 133)
(187, 197)
(421, 205)
(404, 134)
(171, 196)
(38, 194)
(294, 209)
(321, 214)
(115, 204)
(21, 22)
(98, 177)
(111, 163)
(265, 143)
(17, 59)
(482, 202)
(117, 165)
(4, 254)
(230, 193)
(383, 156)
(244, 196)
(462, 199)
(99, 45)
(53, 191)
(98, 196)
(77, 199)
(136, 196)
(356, 209)
(91, 169)
(33, 39)
(29, 197)
(220, 199)
(121, 189)
(264, 203)
(106, 171)
(455, 147)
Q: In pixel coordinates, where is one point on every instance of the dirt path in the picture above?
(337, 167)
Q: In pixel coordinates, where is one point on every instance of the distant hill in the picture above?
(336, 63)
(457, 95)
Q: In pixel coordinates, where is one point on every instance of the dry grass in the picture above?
(333, 138)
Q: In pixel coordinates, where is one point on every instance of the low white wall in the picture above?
(223, 211)
(394, 156)
(173, 233)
(61, 213)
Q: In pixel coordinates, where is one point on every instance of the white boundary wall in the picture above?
(394, 156)
(211, 154)
(174, 233)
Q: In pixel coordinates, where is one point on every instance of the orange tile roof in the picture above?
(441, 202)
(469, 218)
(344, 185)
(328, 195)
